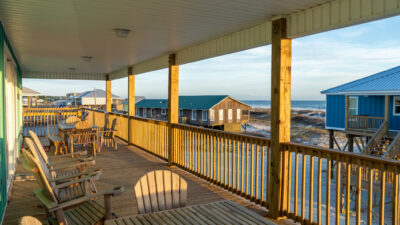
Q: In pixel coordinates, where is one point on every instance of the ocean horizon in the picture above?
(296, 104)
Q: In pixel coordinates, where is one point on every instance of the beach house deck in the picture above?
(108, 40)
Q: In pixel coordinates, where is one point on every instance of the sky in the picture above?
(319, 62)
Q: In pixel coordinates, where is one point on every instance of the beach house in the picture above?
(95, 97)
(367, 106)
(220, 111)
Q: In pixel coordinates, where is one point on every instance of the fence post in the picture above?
(173, 102)
(280, 116)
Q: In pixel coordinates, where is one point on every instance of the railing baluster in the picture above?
(348, 177)
(358, 192)
(319, 189)
(311, 201)
(296, 181)
(382, 198)
(289, 179)
(338, 197)
(303, 186)
(370, 192)
(395, 198)
(262, 171)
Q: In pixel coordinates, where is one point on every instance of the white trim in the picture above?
(230, 114)
(365, 93)
(334, 128)
(194, 114)
(144, 114)
(204, 112)
(238, 112)
(221, 113)
(394, 108)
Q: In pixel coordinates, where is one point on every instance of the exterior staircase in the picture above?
(383, 145)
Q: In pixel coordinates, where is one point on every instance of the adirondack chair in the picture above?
(29, 220)
(160, 190)
(54, 176)
(68, 159)
(71, 202)
(83, 135)
(72, 120)
(108, 136)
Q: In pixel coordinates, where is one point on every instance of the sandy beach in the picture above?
(307, 126)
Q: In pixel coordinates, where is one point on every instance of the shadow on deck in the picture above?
(120, 168)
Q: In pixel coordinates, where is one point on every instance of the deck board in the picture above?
(121, 168)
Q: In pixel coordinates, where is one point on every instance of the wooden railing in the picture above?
(393, 150)
(331, 186)
(373, 142)
(49, 109)
(326, 193)
(364, 123)
(43, 121)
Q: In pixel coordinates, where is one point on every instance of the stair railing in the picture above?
(394, 148)
(373, 142)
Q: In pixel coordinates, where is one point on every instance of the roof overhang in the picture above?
(49, 37)
(366, 93)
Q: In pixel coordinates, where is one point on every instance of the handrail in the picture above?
(364, 123)
(394, 148)
(376, 138)
(366, 117)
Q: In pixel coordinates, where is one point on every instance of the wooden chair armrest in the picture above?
(86, 173)
(75, 154)
(110, 192)
(72, 160)
(80, 180)
(74, 165)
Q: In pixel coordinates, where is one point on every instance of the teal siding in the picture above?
(335, 111)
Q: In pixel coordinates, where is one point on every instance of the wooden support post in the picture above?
(346, 113)
(387, 111)
(351, 143)
(131, 102)
(29, 101)
(173, 102)
(280, 116)
(331, 138)
(36, 100)
(108, 93)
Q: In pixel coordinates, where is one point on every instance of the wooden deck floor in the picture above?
(120, 168)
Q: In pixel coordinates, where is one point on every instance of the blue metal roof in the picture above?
(201, 102)
(385, 82)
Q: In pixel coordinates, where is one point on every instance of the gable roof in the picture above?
(386, 82)
(137, 99)
(99, 94)
(29, 92)
(201, 102)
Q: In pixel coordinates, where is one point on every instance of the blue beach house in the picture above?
(365, 103)
(367, 107)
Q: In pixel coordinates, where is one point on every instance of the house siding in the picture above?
(371, 106)
(394, 120)
(335, 111)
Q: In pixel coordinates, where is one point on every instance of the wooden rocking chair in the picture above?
(160, 190)
(108, 135)
(71, 202)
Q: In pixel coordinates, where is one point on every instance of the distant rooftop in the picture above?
(137, 99)
(383, 83)
(185, 102)
(29, 92)
(99, 94)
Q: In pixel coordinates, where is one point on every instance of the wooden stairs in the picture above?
(384, 145)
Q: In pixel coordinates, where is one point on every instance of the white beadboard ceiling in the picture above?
(50, 36)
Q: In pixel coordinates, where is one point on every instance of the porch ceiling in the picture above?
(52, 35)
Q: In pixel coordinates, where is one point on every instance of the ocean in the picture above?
(296, 104)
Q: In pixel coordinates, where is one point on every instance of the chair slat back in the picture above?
(31, 164)
(39, 146)
(106, 121)
(114, 124)
(29, 220)
(83, 136)
(160, 190)
(35, 153)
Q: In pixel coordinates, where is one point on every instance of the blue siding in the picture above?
(335, 111)
(394, 121)
(371, 106)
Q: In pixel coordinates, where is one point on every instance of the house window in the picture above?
(245, 112)
(353, 103)
(194, 115)
(151, 113)
(221, 114)
(211, 115)
(230, 114)
(163, 111)
(144, 112)
(238, 114)
(137, 112)
(204, 115)
(396, 105)
(181, 113)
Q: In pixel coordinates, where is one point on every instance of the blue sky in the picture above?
(319, 62)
